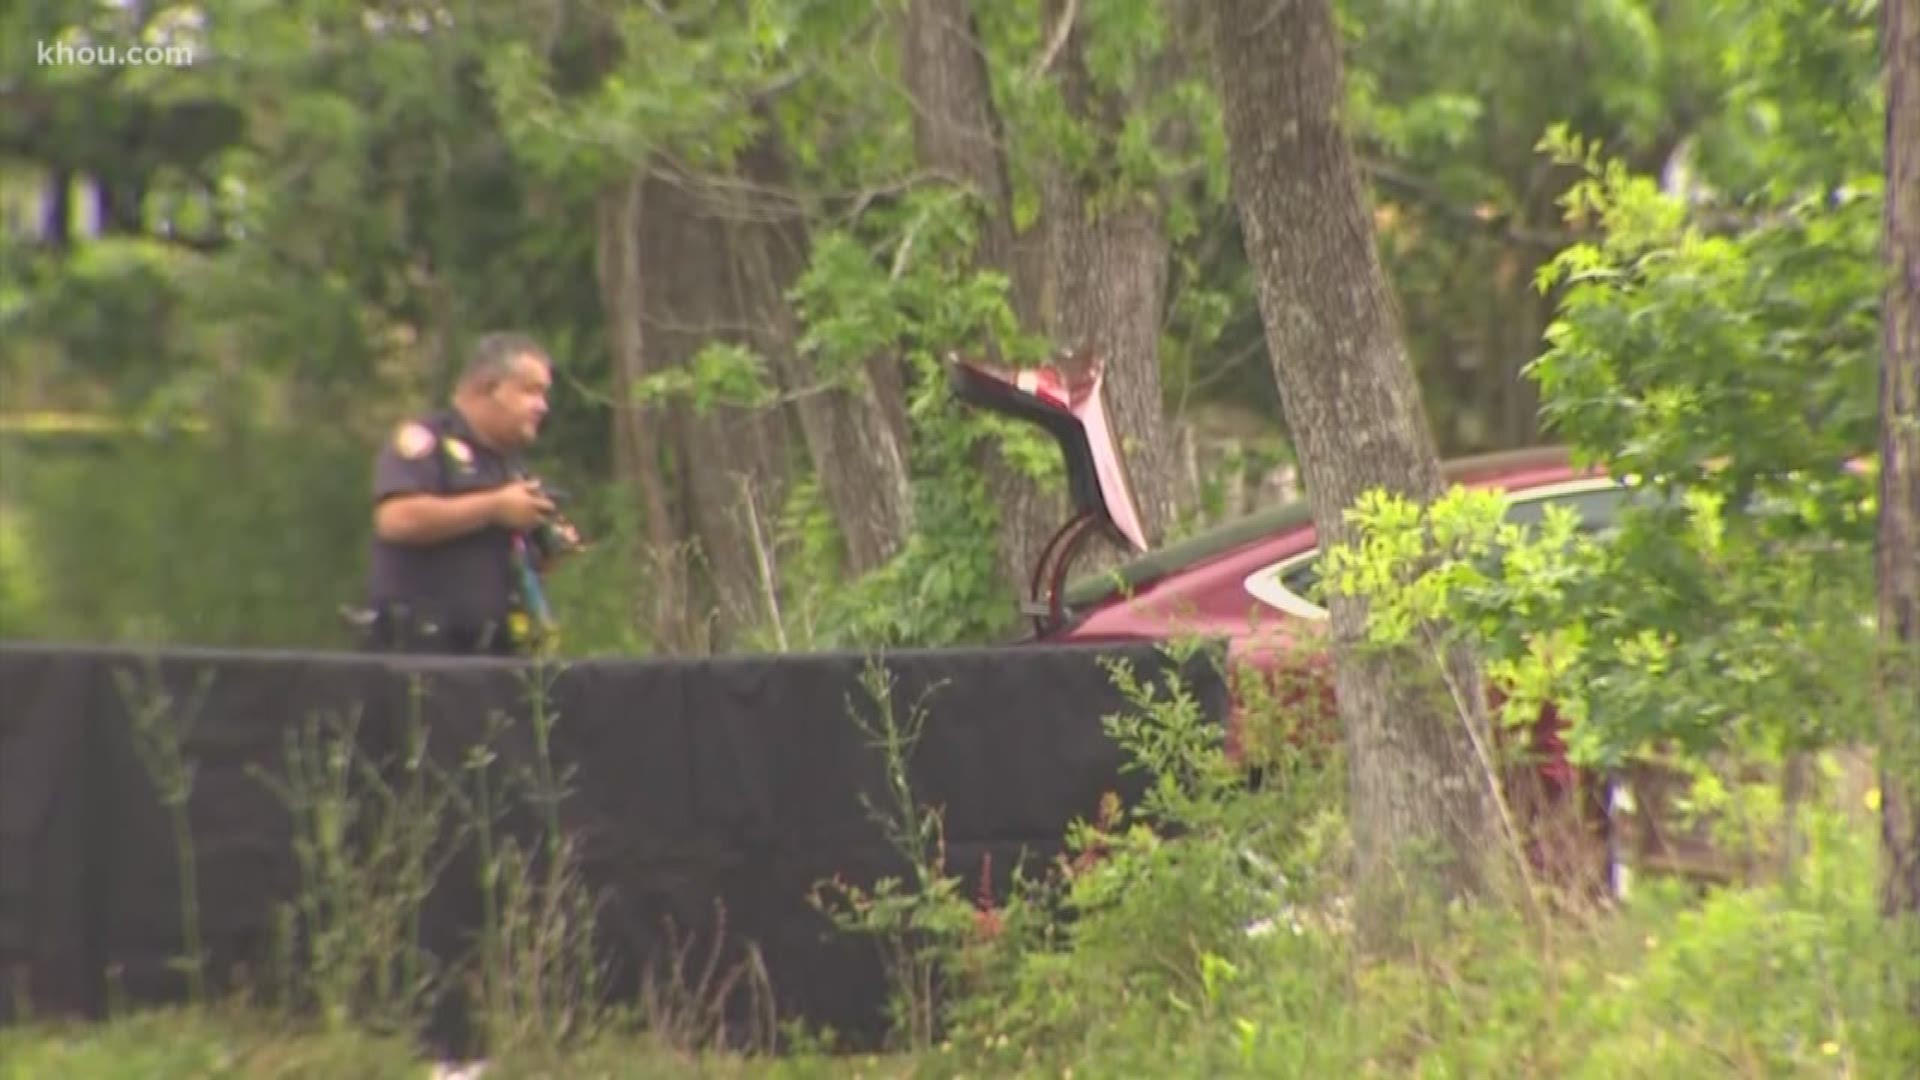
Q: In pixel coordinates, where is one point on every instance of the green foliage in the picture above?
(1741, 364)
(1756, 654)
(595, 592)
(916, 919)
(1145, 908)
(635, 82)
(196, 1043)
(22, 594)
(366, 852)
(720, 374)
(1446, 102)
(1730, 379)
(1204, 932)
(1150, 908)
(902, 288)
(1461, 566)
(108, 308)
(240, 537)
(1733, 376)
(1803, 110)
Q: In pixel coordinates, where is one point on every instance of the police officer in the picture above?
(455, 512)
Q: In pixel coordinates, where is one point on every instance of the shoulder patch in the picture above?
(457, 450)
(413, 440)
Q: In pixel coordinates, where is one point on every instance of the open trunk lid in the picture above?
(1068, 406)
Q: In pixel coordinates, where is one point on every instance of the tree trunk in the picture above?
(1518, 337)
(734, 459)
(957, 134)
(1419, 786)
(859, 457)
(637, 458)
(1109, 286)
(1899, 539)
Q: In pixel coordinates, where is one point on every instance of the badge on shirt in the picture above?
(458, 451)
(412, 440)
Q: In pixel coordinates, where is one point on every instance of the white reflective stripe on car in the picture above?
(1266, 585)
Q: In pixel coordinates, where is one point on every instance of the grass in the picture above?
(1738, 982)
(213, 1043)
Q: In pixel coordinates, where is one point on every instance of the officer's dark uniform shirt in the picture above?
(465, 585)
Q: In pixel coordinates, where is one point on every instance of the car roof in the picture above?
(1263, 524)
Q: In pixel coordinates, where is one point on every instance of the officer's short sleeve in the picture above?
(406, 464)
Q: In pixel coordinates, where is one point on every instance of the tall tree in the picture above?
(734, 458)
(1899, 540)
(1108, 257)
(957, 134)
(1354, 410)
(858, 456)
(639, 464)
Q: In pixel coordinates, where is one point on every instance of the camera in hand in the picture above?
(555, 535)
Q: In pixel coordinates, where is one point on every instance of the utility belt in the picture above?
(397, 628)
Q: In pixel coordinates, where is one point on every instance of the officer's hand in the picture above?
(520, 505)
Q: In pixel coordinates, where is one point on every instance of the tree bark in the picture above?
(859, 457)
(1420, 788)
(1899, 531)
(1108, 262)
(957, 135)
(637, 456)
(728, 454)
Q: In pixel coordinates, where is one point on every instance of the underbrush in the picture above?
(237, 1042)
(1209, 941)
(1197, 930)
(1204, 933)
(1754, 981)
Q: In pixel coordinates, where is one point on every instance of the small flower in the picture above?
(1872, 799)
(1830, 1048)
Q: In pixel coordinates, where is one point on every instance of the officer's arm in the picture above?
(411, 503)
(429, 519)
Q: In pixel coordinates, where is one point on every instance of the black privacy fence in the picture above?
(360, 818)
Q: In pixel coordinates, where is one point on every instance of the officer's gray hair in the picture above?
(493, 356)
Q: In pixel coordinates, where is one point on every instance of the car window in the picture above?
(1303, 578)
(1594, 508)
(1298, 579)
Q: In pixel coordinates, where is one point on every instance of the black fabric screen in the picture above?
(731, 780)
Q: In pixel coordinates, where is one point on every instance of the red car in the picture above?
(1248, 582)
